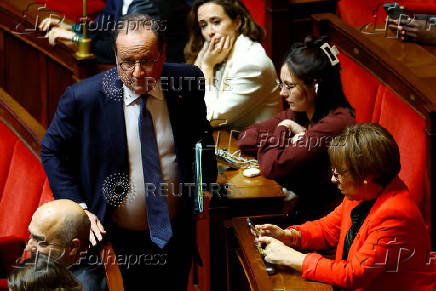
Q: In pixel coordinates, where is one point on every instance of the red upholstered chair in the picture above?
(358, 13)
(24, 187)
(374, 102)
(73, 9)
(257, 10)
(23, 183)
(360, 88)
(408, 129)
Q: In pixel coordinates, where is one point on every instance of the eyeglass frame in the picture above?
(335, 174)
(282, 85)
(44, 243)
(153, 62)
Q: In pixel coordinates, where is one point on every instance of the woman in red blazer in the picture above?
(380, 237)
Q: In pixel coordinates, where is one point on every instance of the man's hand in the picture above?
(97, 228)
(277, 253)
(50, 21)
(57, 32)
(420, 31)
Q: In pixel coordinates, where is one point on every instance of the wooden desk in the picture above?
(31, 71)
(245, 197)
(246, 254)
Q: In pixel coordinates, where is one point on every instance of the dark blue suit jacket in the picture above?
(86, 141)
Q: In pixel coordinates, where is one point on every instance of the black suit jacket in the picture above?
(86, 144)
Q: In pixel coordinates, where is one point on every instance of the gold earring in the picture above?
(365, 182)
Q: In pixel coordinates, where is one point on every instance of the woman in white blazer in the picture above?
(242, 84)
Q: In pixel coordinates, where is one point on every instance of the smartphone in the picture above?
(269, 267)
(393, 10)
(252, 228)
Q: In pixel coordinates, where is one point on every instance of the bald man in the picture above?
(60, 229)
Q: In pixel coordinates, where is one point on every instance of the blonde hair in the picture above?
(363, 150)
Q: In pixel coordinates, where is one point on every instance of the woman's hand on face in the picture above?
(277, 253)
(294, 127)
(217, 50)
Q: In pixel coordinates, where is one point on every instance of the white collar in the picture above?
(130, 97)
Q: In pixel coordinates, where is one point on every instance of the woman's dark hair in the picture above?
(309, 63)
(234, 9)
(366, 149)
(42, 273)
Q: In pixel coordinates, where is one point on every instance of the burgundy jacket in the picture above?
(303, 167)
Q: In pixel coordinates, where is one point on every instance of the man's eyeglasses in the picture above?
(43, 243)
(145, 64)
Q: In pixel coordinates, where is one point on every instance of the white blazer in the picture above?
(246, 87)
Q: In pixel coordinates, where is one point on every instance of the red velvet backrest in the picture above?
(407, 127)
(21, 193)
(7, 143)
(360, 88)
(373, 102)
(358, 13)
(257, 10)
(73, 9)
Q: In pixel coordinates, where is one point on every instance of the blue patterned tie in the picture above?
(155, 199)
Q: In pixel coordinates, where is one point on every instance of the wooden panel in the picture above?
(32, 71)
(22, 75)
(245, 196)
(59, 78)
(2, 60)
(254, 268)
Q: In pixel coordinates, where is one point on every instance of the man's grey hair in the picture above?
(138, 22)
(74, 226)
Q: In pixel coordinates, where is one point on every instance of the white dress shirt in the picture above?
(133, 214)
(126, 4)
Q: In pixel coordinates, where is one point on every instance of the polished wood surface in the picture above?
(31, 71)
(245, 197)
(409, 69)
(241, 187)
(387, 59)
(254, 268)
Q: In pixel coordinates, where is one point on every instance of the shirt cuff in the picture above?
(83, 205)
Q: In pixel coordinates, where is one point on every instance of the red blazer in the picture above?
(390, 252)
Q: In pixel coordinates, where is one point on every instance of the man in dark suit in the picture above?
(122, 145)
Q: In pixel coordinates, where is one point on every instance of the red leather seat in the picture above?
(373, 102)
(358, 13)
(23, 187)
(73, 9)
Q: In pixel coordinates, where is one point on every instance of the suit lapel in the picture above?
(174, 103)
(114, 124)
